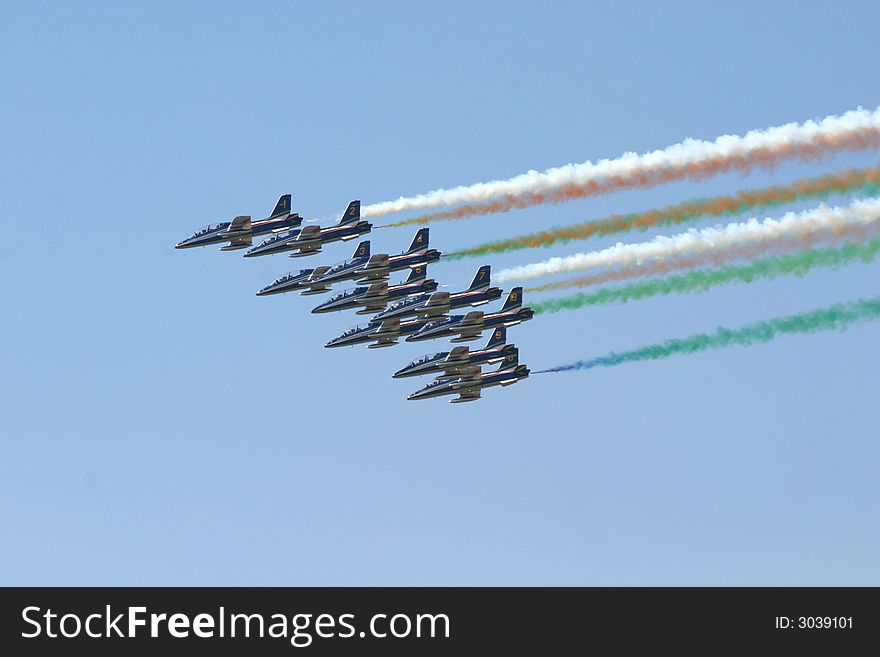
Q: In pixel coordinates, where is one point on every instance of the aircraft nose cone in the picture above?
(264, 292)
(248, 254)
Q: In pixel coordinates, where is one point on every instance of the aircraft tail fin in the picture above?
(510, 361)
(416, 275)
(420, 241)
(514, 300)
(282, 207)
(498, 338)
(352, 214)
(481, 280)
(362, 250)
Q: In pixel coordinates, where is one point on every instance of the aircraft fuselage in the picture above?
(456, 386)
(219, 233)
(291, 240)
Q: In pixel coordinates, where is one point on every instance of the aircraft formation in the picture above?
(413, 309)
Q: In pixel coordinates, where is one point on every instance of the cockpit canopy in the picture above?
(405, 302)
(339, 266)
(358, 328)
(440, 322)
(346, 263)
(347, 293)
(277, 237)
(211, 229)
(428, 358)
(290, 276)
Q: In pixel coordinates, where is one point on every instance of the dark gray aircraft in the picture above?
(381, 334)
(462, 328)
(440, 303)
(469, 386)
(240, 231)
(371, 298)
(452, 364)
(308, 240)
(302, 281)
(377, 267)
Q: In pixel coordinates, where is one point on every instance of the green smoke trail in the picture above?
(850, 182)
(796, 264)
(839, 317)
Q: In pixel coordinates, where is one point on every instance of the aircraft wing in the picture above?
(467, 395)
(373, 276)
(238, 243)
(315, 288)
(460, 371)
(309, 249)
(436, 305)
(387, 334)
(468, 333)
(470, 327)
(376, 307)
(386, 341)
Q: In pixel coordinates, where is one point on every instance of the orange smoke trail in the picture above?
(866, 181)
(767, 157)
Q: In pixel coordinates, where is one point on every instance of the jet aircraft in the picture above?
(292, 282)
(309, 239)
(455, 363)
(379, 266)
(306, 281)
(440, 303)
(376, 296)
(469, 386)
(240, 231)
(470, 326)
(381, 334)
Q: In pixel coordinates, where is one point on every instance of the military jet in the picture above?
(469, 386)
(240, 231)
(440, 303)
(381, 334)
(306, 281)
(309, 239)
(470, 326)
(301, 281)
(379, 266)
(455, 363)
(375, 297)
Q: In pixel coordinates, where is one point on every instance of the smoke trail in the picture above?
(715, 245)
(839, 316)
(691, 159)
(853, 181)
(796, 264)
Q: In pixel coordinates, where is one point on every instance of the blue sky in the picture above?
(162, 425)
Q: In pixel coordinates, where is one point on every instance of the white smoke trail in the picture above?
(719, 243)
(692, 158)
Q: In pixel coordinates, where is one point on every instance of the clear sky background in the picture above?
(163, 425)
